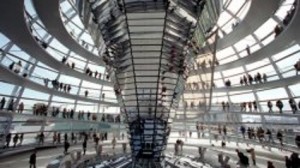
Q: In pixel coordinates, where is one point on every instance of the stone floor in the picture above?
(262, 155)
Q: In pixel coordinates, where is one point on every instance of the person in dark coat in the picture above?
(32, 160)
(288, 163)
(84, 146)
(11, 105)
(270, 164)
(15, 140)
(66, 146)
(8, 139)
(279, 104)
(295, 160)
(297, 141)
(2, 103)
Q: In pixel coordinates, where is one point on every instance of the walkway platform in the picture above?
(50, 14)
(18, 32)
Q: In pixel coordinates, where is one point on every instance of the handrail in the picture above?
(42, 27)
(191, 88)
(244, 50)
(110, 118)
(87, 97)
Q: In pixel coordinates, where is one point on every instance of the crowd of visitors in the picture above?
(266, 135)
(261, 134)
(39, 41)
(279, 104)
(257, 78)
(278, 28)
(289, 15)
(41, 109)
(293, 161)
(249, 105)
(243, 159)
(225, 106)
(253, 106)
(193, 105)
(85, 44)
(57, 85)
(60, 86)
(244, 81)
(94, 74)
(204, 63)
(65, 61)
(249, 79)
(197, 86)
(17, 67)
(10, 105)
(17, 139)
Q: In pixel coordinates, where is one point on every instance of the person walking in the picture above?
(223, 105)
(8, 138)
(279, 104)
(227, 106)
(176, 148)
(293, 105)
(21, 108)
(114, 142)
(243, 160)
(255, 106)
(2, 103)
(54, 138)
(32, 160)
(297, 141)
(253, 156)
(66, 137)
(73, 138)
(58, 138)
(297, 67)
(66, 147)
(84, 144)
(11, 105)
(280, 137)
(269, 134)
(243, 130)
(288, 163)
(270, 106)
(42, 136)
(96, 139)
(21, 138)
(124, 147)
(15, 140)
(250, 106)
(86, 93)
(270, 164)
